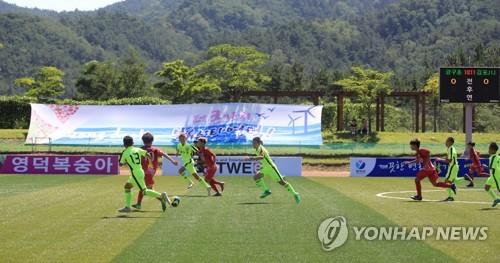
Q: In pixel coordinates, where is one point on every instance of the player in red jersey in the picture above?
(475, 167)
(150, 165)
(208, 160)
(424, 156)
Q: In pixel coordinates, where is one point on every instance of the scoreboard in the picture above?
(469, 85)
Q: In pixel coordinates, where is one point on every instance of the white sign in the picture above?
(237, 165)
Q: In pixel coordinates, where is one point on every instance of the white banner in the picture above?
(230, 123)
(237, 165)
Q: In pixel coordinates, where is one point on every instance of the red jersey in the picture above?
(150, 166)
(474, 157)
(424, 156)
(208, 157)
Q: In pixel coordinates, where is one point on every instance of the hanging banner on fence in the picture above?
(394, 167)
(59, 164)
(238, 166)
(231, 123)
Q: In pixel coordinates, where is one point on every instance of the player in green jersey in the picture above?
(269, 169)
(452, 171)
(132, 156)
(186, 151)
(494, 179)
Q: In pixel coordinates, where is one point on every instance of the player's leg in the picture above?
(418, 186)
(469, 176)
(138, 177)
(275, 174)
(209, 177)
(259, 181)
(434, 179)
(182, 173)
(492, 181)
(192, 170)
(149, 180)
(128, 197)
(451, 178)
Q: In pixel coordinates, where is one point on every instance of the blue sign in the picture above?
(394, 167)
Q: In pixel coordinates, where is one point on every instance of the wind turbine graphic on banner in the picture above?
(292, 122)
(306, 112)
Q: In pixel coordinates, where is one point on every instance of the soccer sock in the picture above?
(443, 185)
(139, 197)
(203, 182)
(290, 189)
(419, 188)
(493, 194)
(186, 177)
(128, 198)
(262, 184)
(214, 187)
(450, 192)
(152, 193)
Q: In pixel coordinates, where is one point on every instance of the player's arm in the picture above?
(122, 159)
(174, 162)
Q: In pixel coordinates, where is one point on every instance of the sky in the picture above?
(63, 5)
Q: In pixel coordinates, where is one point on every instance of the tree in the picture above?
(46, 86)
(237, 69)
(432, 87)
(98, 80)
(133, 77)
(368, 85)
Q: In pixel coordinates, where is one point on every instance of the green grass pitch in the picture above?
(74, 219)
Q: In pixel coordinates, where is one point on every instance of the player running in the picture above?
(268, 168)
(150, 165)
(424, 156)
(475, 167)
(494, 179)
(452, 172)
(187, 151)
(132, 156)
(207, 158)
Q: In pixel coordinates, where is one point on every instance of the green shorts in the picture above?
(137, 179)
(452, 173)
(190, 168)
(272, 172)
(493, 180)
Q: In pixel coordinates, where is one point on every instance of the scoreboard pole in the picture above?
(469, 107)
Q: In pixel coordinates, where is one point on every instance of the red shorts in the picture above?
(432, 174)
(210, 171)
(476, 169)
(149, 179)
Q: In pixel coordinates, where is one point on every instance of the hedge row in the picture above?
(15, 112)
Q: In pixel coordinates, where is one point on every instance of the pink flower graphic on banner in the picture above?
(64, 112)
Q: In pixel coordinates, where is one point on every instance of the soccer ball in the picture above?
(176, 201)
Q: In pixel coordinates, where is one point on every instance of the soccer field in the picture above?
(74, 219)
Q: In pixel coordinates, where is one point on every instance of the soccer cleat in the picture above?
(164, 201)
(222, 184)
(449, 199)
(125, 210)
(137, 206)
(471, 185)
(209, 191)
(496, 202)
(454, 188)
(190, 185)
(265, 194)
(298, 199)
(416, 198)
(217, 194)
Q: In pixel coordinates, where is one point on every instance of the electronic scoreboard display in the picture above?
(469, 85)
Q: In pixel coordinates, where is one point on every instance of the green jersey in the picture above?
(132, 156)
(186, 151)
(452, 156)
(494, 165)
(266, 162)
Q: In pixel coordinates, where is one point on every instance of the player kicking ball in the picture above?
(424, 156)
(494, 179)
(207, 158)
(452, 172)
(269, 169)
(132, 156)
(150, 165)
(187, 151)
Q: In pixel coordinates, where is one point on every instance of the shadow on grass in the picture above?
(488, 209)
(128, 217)
(192, 195)
(254, 203)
